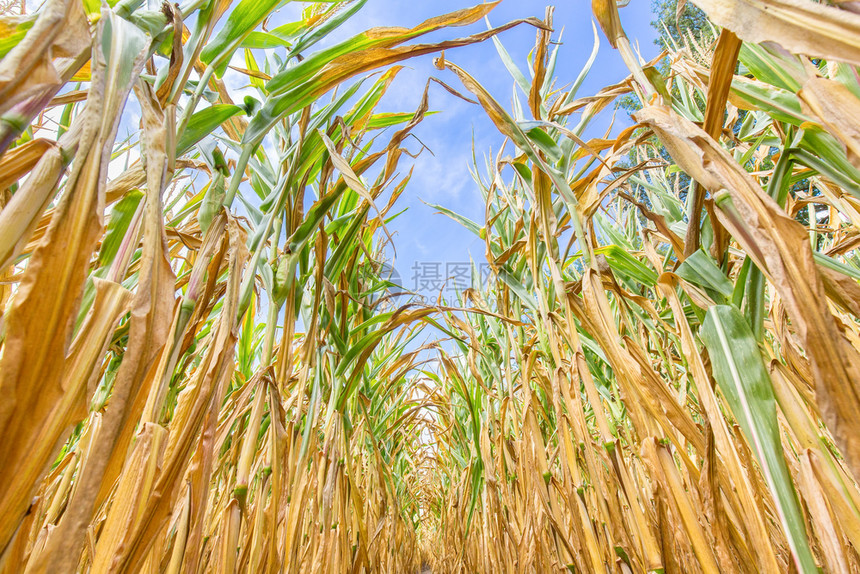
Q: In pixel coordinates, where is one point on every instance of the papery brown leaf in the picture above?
(800, 26)
(666, 474)
(18, 162)
(151, 314)
(20, 216)
(213, 376)
(606, 12)
(44, 309)
(839, 111)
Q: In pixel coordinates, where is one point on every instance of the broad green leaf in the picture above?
(777, 102)
(120, 217)
(517, 287)
(264, 40)
(546, 144)
(386, 120)
(826, 155)
(627, 266)
(744, 380)
(464, 221)
(778, 71)
(203, 123)
(701, 270)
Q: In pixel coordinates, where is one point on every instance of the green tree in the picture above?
(676, 20)
(680, 19)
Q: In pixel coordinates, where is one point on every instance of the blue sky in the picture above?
(421, 234)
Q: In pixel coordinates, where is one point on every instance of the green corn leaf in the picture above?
(743, 379)
(831, 263)
(464, 221)
(264, 40)
(769, 68)
(203, 123)
(120, 218)
(627, 265)
(518, 288)
(543, 141)
(386, 120)
(701, 270)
